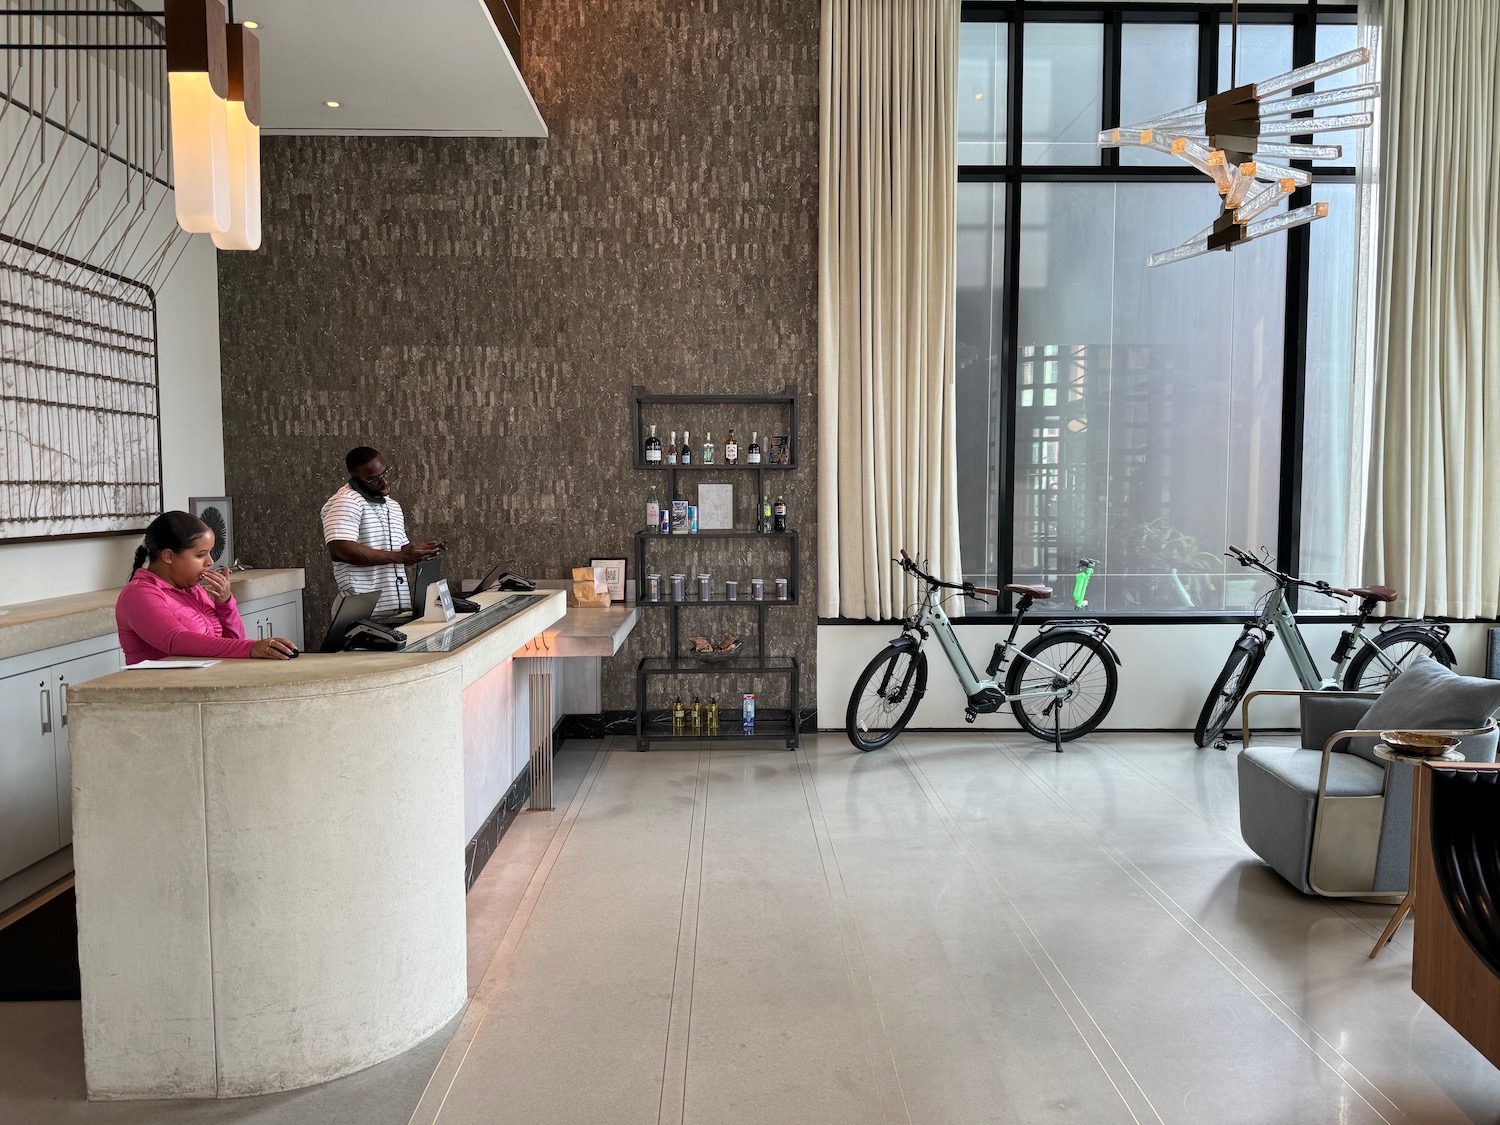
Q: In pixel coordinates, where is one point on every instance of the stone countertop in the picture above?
(33, 626)
(585, 632)
(317, 674)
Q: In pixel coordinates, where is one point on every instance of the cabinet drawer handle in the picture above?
(62, 701)
(46, 704)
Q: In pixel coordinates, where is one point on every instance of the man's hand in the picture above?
(216, 583)
(416, 552)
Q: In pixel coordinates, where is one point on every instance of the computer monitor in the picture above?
(348, 611)
(423, 575)
(489, 582)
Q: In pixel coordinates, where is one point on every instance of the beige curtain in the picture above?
(1433, 526)
(887, 476)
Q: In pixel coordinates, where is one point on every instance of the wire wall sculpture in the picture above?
(78, 399)
(87, 235)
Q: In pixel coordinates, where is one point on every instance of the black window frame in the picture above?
(1304, 18)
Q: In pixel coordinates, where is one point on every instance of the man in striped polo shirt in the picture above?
(366, 534)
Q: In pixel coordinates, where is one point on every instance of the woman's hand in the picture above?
(273, 648)
(216, 582)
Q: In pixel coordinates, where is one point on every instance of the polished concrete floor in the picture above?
(956, 929)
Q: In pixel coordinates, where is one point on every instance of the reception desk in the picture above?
(270, 860)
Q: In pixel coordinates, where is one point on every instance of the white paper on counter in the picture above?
(172, 664)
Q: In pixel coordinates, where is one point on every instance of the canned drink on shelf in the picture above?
(747, 703)
(653, 587)
(731, 590)
(781, 589)
(693, 519)
(705, 587)
(758, 589)
(679, 587)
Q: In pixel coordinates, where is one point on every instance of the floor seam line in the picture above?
(478, 1006)
(973, 858)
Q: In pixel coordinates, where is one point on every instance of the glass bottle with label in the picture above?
(653, 447)
(679, 716)
(672, 449)
(685, 455)
(708, 448)
(731, 449)
(765, 513)
(779, 515)
(752, 452)
(653, 511)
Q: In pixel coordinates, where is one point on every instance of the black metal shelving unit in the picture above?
(769, 723)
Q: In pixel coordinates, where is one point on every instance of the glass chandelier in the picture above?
(1243, 140)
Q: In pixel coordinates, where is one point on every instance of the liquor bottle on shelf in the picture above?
(685, 454)
(672, 449)
(779, 515)
(697, 716)
(708, 448)
(679, 716)
(752, 452)
(713, 716)
(765, 514)
(653, 508)
(731, 449)
(653, 447)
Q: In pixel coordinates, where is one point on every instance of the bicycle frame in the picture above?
(1278, 615)
(932, 618)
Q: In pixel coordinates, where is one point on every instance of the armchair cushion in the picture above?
(1427, 696)
(1278, 800)
(1323, 716)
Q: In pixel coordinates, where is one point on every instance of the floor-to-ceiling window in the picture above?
(1143, 417)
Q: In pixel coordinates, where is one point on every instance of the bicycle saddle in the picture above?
(1036, 593)
(1378, 593)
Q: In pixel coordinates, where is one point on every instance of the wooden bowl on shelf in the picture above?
(1419, 742)
(716, 656)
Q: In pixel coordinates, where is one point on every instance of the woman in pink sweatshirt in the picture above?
(177, 604)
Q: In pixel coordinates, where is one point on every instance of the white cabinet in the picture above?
(36, 817)
(278, 616)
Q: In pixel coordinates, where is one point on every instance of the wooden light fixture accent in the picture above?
(243, 115)
(198, 80)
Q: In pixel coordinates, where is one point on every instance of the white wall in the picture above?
(192, 439)
(1165, 674)
(187, 311)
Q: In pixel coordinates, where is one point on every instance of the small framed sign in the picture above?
(716, 507)
(440, 601)
(614, 576)
(218, 513)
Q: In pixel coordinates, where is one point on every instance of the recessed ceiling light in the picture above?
(332, 105)
(251, 24)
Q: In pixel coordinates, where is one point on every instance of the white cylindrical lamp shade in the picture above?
(197, 78)
(243, 231)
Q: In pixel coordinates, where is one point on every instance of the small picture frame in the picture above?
(614, 576)
(778, 450)
(218, 513)
(716, 507)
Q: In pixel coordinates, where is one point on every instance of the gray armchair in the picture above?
(1330, 817)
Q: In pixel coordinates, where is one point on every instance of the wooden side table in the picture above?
(1385, 753)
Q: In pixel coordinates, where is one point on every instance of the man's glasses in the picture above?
(384, 478)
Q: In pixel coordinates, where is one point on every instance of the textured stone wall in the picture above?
(479, 308)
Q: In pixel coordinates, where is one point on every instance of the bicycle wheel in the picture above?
(1077, 661)
(1369, 673)
(1229, 689)
(885, 697)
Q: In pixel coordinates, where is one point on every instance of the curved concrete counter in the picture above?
(270, 863)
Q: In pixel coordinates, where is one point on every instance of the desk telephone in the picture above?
(380, 638)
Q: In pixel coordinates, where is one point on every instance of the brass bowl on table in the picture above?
(1419, 742)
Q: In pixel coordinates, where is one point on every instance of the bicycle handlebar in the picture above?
(1245, 558)
(909, 564)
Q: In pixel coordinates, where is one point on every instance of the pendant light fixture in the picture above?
(243, 109)
(198, 81)
(1244, 140)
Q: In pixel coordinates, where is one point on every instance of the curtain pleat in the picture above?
(1435, 476)
(888, 475)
